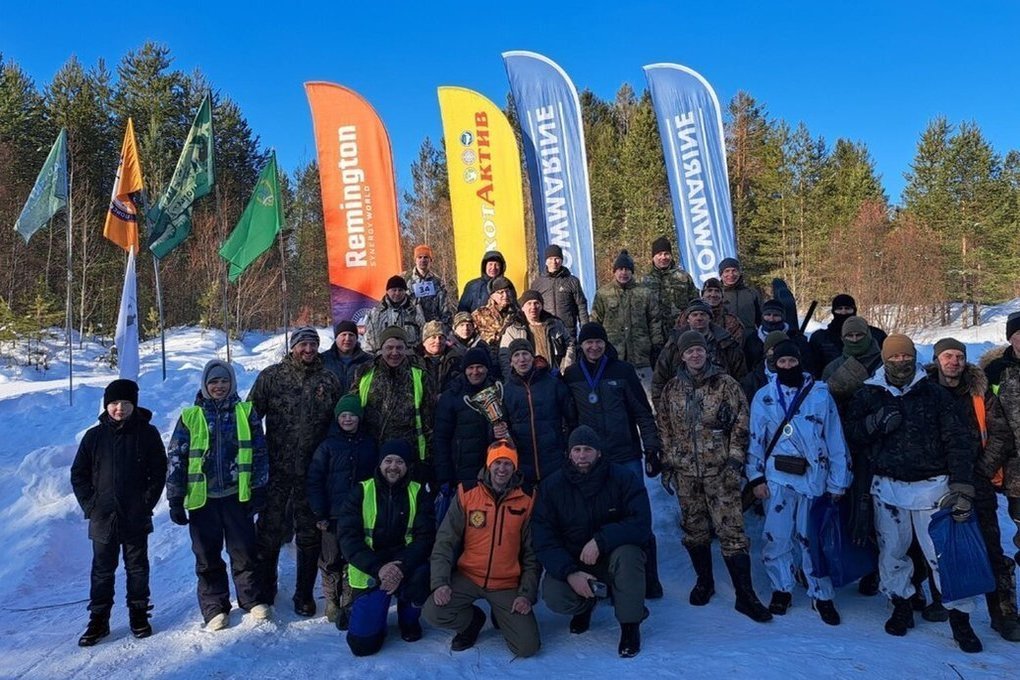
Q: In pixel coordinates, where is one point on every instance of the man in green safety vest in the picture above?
(387, 528)
(397, 399)
(218, 467)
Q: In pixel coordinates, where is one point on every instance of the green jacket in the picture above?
(672, 289)
(630, 315)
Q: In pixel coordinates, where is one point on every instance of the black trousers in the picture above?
(105, 557)
(223, 520)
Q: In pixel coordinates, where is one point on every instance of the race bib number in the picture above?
(423, 289)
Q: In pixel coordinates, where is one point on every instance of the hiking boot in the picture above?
(827, 610)
(466, 638)
(218, 622)
(98, 628)
(748, 604)
(868, 585)
(963, 633)
(630, 640)
(138, 618)
(304, 607)
(780, 602)
(935, 613)
(902, 617)
(704, 589)
(410, 631)
(1009, 629)
(580, 623)
(917, 600)
(260, 612)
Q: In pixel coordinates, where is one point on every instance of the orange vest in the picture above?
(491, 556)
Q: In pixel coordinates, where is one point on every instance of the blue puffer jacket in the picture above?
(540, 412)
(341, 461)
(815, 433)
(220, 466)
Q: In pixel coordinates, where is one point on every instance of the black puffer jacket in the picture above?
(461, 435)
(562, 296)
(933, 439)
(609, 504)
(621, 409)
(476, 291)
(118, 476)
(541, 413)
(344, 370)
(388, 542)
(341, 461)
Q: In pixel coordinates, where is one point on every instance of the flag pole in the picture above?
(283, 270)
(226, 270)
(67, 309)
(159, 309)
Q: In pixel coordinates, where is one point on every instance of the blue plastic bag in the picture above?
(831, 547)
(964, 569)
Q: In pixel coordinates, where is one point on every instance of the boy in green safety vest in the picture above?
(218, 467)
(387, 528)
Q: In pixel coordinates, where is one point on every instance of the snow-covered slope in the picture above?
(44, 573)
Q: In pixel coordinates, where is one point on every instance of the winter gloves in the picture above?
(178, 515)
(961, 499)
(883, 421)
(653, 464)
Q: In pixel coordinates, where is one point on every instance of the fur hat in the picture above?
(349, 403)
(623, 261)
(583, 436)
(592, 330)
(121, 390)
(897, 344)
(304, 334)
(500, 448)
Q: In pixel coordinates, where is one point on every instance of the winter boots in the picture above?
(963, 633)
(902, 617)
(780, 602)
(98, 628)
(466, 638)
(827, 610)
(934, 611)
(868, 585)
(218, 622)
(748, 604)
(138, 616)
(580, 623)
(701, 559)
(630, 640)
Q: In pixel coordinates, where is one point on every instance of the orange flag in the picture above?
(359, 199)
(122, 220)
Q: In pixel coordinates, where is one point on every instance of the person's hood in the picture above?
(490, 256)
(879, 380)
(996, 353)
(217, 363)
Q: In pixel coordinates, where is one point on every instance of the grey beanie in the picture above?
(583, 436)
(302, 334)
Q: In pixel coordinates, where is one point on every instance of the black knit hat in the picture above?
(623, 261)
(528, 296)
(583, 436)
(661, 245)
(844, 300)
(774, 306)
(396, 281)
(520, 344)
(786, 348)
(345, 326)
(728, 262)
(592, 330)
(475, 355)
(397, 447)
(690, 339)
(121, 390)
(697, 305)
(553, 250)
(1012, 324)
(711, 283)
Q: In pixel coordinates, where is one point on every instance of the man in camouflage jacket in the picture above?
(630, 315)
(670, 285)
(428, 292)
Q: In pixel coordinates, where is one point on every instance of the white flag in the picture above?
(126, 338)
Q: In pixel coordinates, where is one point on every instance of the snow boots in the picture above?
(580, 623)
(98, 628)
(902, 617)
(630, 640)
(701, 559)
(963, 633)
(138, 616)
(466, 638)
(748, 604)
(827, 611)
(780, 602)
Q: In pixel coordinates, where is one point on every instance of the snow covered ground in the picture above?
(44, 572)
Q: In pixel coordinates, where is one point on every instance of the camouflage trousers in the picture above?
(272, 527)
(708, 502)
(1002, 602)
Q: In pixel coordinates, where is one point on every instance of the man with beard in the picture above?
(968, 385)
(297, 397)
(463, 338)
(396, 308)
(561, 291)
(703, 426)
(827, 342)
(345, 356)
(923, 458)
(483, 551)
(591, 521)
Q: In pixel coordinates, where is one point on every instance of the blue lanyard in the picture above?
(782, 399)
(593, 383)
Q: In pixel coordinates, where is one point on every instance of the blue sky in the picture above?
(870, 71)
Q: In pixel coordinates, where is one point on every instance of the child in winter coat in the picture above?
(217, 483)
(347, 456)
(118, 476)
(808, 458)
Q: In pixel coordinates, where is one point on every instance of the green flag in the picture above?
(170, 219)
(259, 224)
(49, 193)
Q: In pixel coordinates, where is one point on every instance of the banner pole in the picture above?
(67, 310)
(159, 308)
(226, 271)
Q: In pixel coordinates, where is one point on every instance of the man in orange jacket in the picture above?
(489, 527)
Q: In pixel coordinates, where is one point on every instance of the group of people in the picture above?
(498, 452)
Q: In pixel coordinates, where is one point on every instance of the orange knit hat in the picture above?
(501, 449)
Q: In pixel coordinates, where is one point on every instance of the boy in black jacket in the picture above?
(118, 476)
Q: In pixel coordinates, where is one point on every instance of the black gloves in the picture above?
(883, 421)
(178, 515)
(653, 464)
(961, 499)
